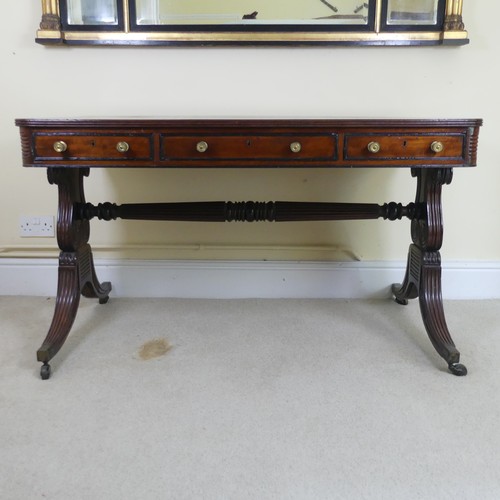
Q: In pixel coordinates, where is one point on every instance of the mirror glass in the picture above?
(412, 12)
(92, 12)
(189, 12)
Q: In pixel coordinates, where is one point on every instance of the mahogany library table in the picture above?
(70, 148)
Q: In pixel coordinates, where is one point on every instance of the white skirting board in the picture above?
(250, 279)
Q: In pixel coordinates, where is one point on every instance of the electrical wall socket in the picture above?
(36, 226)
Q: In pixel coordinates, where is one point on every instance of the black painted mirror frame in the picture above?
(55, 29)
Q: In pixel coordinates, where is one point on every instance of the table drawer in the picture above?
(270, 147)
(92, 147)
(398, 147)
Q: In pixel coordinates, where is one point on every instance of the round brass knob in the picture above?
(295, 147)
(122, 147)
(373, 147)
(201, 147)
(60, 146)
(437, 146)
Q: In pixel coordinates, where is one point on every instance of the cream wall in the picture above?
(430, 82)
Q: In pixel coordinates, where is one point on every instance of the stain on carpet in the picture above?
(154, 349)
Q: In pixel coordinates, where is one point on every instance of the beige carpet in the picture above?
(249, 399)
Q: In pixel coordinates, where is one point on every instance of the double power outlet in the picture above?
(36, 226)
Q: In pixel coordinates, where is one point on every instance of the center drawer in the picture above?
(270, 147)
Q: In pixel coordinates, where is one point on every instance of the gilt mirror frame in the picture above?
(448, 29)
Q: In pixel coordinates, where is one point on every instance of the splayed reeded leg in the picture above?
(76, 273)
(423, 273)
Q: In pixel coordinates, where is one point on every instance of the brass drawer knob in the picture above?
(437, 146)
(295, 147)
(201, 147)
(122, 147)
(373, 147)
(60, 146)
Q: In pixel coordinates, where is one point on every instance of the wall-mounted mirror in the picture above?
(210, 22)
(251, 13)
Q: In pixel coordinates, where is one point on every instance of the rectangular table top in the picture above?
(213, 143)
